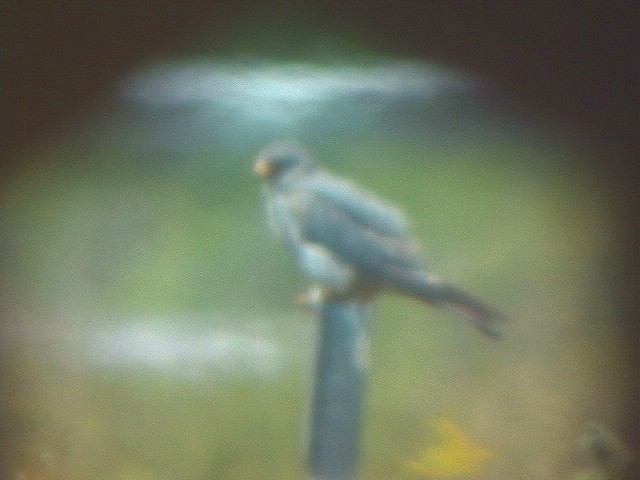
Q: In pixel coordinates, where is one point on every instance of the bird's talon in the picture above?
(310, 299)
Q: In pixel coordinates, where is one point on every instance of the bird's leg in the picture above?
(310, 299)
(316, 296)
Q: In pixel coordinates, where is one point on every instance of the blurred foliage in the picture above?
(454, 455)
(100, 237)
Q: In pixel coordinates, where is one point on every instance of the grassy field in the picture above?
(101, 240)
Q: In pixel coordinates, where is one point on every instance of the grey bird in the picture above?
(350, 242)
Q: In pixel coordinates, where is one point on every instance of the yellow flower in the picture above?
(454, 455)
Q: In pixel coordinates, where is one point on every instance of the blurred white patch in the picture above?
(269, 86)
(362, 356)
(283, 95)
(197, 104)
(186, 352)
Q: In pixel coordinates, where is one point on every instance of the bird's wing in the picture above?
(362, 207)
(332, 224)
(284, 211)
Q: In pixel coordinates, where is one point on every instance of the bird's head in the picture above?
(278, 160)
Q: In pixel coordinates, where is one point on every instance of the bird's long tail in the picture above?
(436, 291)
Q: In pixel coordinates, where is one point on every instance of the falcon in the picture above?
(348, 241)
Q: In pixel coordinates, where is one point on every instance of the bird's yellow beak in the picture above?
(263, 167)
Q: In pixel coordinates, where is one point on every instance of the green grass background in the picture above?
(101, 238)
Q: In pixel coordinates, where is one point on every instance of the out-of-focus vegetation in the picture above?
(104, 238)
(119, 259)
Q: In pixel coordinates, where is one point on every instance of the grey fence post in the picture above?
(340, 374)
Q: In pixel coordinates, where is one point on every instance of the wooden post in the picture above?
(340, 374)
